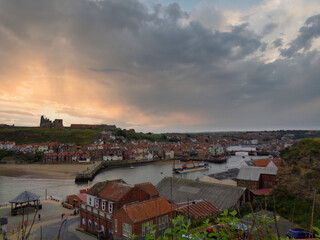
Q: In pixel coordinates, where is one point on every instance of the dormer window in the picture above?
(103, 205)
(97, 203)
(110, 207)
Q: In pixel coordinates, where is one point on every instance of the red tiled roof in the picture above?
(276, 161)
(98, 187)
(82, 196)
(198, 209)
(149, 188)
(141, 211)
(264, 191)
(115, 191)
(262, 162)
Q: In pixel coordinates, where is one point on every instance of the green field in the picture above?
(39, 135)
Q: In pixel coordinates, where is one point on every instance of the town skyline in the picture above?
(161, 66)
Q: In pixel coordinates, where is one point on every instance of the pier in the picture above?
(91, 172)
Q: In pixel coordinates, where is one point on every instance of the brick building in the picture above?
(138, 218)
(106, 198)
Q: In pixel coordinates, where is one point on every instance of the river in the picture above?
(10, 187)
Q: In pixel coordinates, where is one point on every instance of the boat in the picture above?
(185, 168)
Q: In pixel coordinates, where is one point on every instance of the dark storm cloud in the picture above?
(307, 33)
(278, 42)
(269, 28)
(161, 63)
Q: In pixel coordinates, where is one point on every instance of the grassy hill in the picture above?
(298, 180)
(299, 173)
(39, 135)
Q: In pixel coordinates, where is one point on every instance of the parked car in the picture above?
(241, 230)
(299, 233)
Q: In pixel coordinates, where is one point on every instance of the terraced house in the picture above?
(104, 199)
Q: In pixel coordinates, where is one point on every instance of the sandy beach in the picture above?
(51, 171)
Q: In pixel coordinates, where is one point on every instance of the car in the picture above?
(299, 233)
(239, 233)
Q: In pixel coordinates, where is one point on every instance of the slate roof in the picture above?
(230, 174)
(221, 196)
(3, 221)
(24, 197)
(141, 211)
(253, 173)
(197, 209)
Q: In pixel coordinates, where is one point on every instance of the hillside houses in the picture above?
(7, 145)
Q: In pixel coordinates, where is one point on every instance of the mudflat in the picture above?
(51, 171)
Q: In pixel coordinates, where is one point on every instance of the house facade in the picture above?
(138, 218)
(106, 198)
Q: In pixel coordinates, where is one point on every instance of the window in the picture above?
(165, 221)
(147, 227)
(83, 221)
(90, 203)
(102, 228)
(97, 203)
(96, 226)
(116, 225)
(103, 205)
(89, 223)
(159, 223)
(126, 229)
(110, 207)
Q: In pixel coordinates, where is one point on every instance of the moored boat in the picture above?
(185, 168)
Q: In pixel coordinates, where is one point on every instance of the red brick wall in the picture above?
(71, 201)
(99, 220)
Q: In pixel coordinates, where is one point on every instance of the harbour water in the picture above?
(10, 187)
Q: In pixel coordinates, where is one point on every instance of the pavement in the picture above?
(50, 222)
(283, 224)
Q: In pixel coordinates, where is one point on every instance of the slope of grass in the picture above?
(39, 135)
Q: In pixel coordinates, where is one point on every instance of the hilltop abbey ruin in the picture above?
(47, 123)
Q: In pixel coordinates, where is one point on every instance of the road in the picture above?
(68, 231)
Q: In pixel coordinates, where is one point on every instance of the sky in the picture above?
(161, 66)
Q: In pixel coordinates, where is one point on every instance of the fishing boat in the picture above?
(185, 168)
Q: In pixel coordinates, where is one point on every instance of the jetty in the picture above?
(91, 172)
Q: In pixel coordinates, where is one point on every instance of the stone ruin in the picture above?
(47, 123)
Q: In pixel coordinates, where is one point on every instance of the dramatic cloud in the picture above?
(158, 68)
(307, 33)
